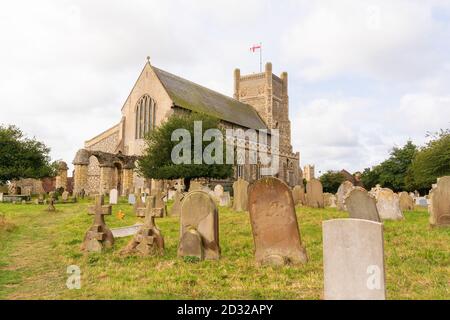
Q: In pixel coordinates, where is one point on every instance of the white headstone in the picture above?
(131, 198)
(353, 260)
(113, 194)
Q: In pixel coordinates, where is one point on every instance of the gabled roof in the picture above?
(191, 96)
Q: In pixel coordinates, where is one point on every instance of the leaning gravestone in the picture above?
(274, 223)
(353, 260)
(439, 207)
(176, 207)
(240, 197)
(361, 205)
(98, 236)
(298, 193)
(199, 227)
(342, 192)
(314, 194)
(406, 201)
(388, 205)
(148, 240)
(113, 195)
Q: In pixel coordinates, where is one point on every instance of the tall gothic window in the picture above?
(145, 116)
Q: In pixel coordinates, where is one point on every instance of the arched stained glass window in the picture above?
(145, 116)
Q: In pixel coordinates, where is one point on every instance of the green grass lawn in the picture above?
(37, 246)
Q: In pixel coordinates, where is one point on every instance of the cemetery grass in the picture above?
(37, 246)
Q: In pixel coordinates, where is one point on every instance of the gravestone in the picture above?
(1, 196)
(421, 202)
(199, 219)
(240, 196)
(218, 191)
(342, 192)
(274, 223)
(176, 207)
(329, 200)
(159, 201)
(131, 198)
(195, 186)
(65, 196)
(298, 193)
(361, 205)
(353, 260)
(148, 240)
(113, 195)
(388, 205)
(139, 205)
(149, 204)
(314, 194)
(122, 232)
(99, 236)
(406, 201)
(225, 200)
(439, 207)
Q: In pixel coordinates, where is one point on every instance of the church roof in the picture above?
(191, 96)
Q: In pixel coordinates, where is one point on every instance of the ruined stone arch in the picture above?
(98, 172)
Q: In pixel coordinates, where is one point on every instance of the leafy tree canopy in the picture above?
(157, 163)
(22, 157)
(331, 180)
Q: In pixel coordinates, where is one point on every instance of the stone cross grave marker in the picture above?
(274, 223)
(361, 205)
(99, 236)
(148, 240)
(439, 207)
(199, 227)
(240, 196)
(113, 196)
(353, 260)
(314, 194)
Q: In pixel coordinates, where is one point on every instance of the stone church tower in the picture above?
(268, 94)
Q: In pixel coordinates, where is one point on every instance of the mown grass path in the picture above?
(34, 256)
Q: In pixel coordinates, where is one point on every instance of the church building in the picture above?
(260, 102)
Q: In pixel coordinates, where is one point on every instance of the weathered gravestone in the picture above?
(388, 205)
(361, 205)
(199, 227)
(132, 198)
(225, 200)
(240, 196)
(113, 195)
(176, 207)
(314, 194)
(139, 205)
(148, 240)
(353, 260)
(122, 232)
(99, 236)
(159, 202)
(195, 186)
(1, 196)
(274, 223)
(342, 192)
(65, 196)
(329, 200)
(218, 191)
(439, 207)
(298, 193)
(406, 201)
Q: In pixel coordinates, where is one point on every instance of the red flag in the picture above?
(254, 47)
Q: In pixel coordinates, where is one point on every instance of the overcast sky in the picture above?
(363, 75)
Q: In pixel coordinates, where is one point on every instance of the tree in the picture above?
(157, 162)
(431, 162)
(331, 180)
(21, 157)
(392, 173)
